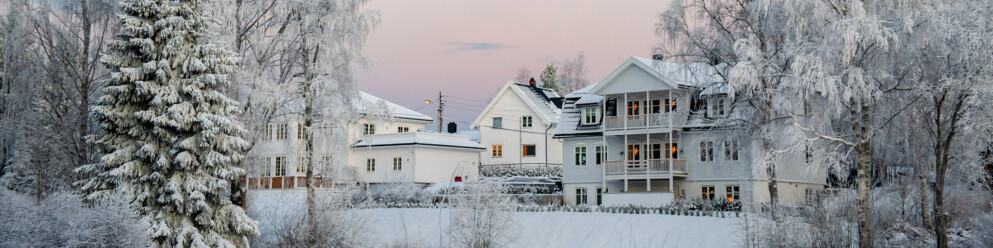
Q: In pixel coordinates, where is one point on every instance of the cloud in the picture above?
(478, 46)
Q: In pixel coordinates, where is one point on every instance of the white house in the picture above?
(374, 150)
(517, 125)
(652, 131)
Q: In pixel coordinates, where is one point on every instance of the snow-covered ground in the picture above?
(565, 229)
(425, 226)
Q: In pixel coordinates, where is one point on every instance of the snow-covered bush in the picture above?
(283, 219)
(511, 171)
(401, 192)
(63, 220)
(481, 216)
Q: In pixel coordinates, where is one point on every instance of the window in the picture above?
(370, 165)
(590, 116)
(707, 192)
(497, 122)
(656, 151)
(717, 107)
(732, 193)
(302, 165)
(268, 132)
(808, 154)
(300, 131)
(672, 150)
(528, 150)
(497, 151)
(267, 167)
(600, 155)
(633, 108)
(731, 150)
(580, 155)
(281, 131)
(707, 151)
(599, 196)
(655, 107)
(634, 152)
(526, 121)
(670, 105)
(397, 164)
(580, 196)
(368, 129)
(280, 166)
(403, 129)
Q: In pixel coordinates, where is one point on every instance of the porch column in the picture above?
(603, 134)
(624, 164)
(648, 143)
(624, 106)
(671, 153)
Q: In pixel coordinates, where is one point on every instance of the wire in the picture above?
(425, 105)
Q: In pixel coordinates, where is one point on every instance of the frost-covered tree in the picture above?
(523, 75)
(549, 77)
(171, 138)
(482, 216)
(572, 74)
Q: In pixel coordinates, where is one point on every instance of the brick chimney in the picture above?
(532, 82)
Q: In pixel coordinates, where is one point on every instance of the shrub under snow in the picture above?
(63, 220)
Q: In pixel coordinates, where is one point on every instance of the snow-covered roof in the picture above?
(473, 135)
(571, 115)
(398, 111)
(545, 103)
(415, 138)
(675, 75)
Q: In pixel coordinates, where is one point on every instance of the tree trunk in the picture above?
(312, 231)
(925, 203)
(863, 150)
(771, 168)
(942, 148)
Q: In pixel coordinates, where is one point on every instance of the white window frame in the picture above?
(280, 166)
(523, 149)
(403, 129)
(706, 151)
(267, 166)
(370, 165)
(731, 148)
(268, 132)
(281, 131)
(591, 116)
(708, 195)
(368, 129)
(527, 121)
(582, 196)
(732, 193)
(580, 155)
(497, 151)
(397, 163)
(601, 154)
(301, 162)
(498, 122)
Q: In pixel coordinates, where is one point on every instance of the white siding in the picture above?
(589, 173)
(633, 79)
(512, 136)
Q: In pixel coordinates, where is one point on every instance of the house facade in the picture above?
(517, 125)
(654, 131)
(373, 149)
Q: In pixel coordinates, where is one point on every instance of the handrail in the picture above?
(634, 167)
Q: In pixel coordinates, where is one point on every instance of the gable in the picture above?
(507, 104)
(633, 78)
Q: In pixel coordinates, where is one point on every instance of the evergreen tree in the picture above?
(550, 78)
(169, 133)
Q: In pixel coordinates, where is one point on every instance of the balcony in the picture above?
(656, 120)
(641, 169)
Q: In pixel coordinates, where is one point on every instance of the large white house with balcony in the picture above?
(652, 131)
(374, 149)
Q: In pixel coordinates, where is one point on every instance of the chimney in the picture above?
(657, 57)
(532, 82)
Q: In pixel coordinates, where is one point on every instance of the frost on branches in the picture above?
(170, 138)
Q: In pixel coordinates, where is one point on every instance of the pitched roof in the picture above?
(569, 119)
(398, 111)
(671, 73)
(540, 100)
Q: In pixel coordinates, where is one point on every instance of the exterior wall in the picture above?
(434, 164)
(720, 168)
(633, 79)
(419, 164)
(589, 173)
(569, 192)
(511, 108)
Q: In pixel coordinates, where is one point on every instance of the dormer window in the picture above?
(718, 107)
(590, 116)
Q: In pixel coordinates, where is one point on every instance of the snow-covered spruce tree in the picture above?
(170, 137)
(550, 79)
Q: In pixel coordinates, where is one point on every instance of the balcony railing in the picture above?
(641, 167)
(284, 182)
(656, 120)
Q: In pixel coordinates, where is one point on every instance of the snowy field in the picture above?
(425, 226)
(566, 229)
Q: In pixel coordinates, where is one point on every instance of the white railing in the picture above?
(653, 166)
(657, 120)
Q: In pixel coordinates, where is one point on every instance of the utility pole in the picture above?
(441, 108)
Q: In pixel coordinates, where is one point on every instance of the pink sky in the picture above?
(469, 49)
